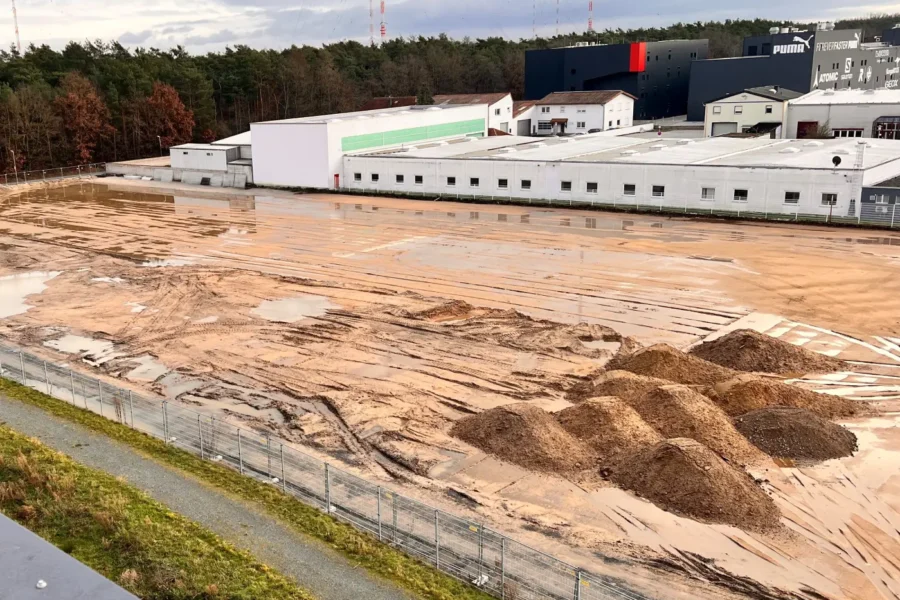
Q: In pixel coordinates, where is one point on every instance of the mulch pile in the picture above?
(748, 350)
(525, 435)
(610, 427)
(621, 384)
(677, 411)
(796, 433)
(665, 362)
(685, 477)
(751, 392)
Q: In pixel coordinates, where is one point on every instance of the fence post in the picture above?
(60, 173)
(327, 489)
(200, 429)
(283, 482)
(394, 516)
(72, 381)
(1, 366)
(131, 406)
(502, 568)
(22, 362)
(100, 388)
(240, 452)
(269, 456)
(165, 421)
(46, 378)
(577, 584)
(437, 542)
(893, 214)
(379, 513)
(480, 550)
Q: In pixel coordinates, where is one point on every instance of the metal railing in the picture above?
(52, 174)
(464, 549)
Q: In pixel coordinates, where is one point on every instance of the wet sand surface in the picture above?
(362, 328)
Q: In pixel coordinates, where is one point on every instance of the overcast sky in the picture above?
(211, 25)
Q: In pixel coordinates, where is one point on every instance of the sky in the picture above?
(211, 25)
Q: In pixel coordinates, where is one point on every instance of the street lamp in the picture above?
(159, 139)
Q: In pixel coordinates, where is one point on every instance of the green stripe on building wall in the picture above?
(413, 134)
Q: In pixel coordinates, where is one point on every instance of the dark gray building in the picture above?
(796, 60)
(657, 74)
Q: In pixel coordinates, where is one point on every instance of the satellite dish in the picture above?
(836, 161)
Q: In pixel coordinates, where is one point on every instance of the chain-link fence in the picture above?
(459, 547)
(41, 175)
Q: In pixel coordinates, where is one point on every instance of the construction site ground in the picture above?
(363, 328)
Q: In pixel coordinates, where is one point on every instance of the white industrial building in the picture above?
(718, 175)
(853, 113)
(217, 165)
(307, 152)
(582, 112)
(498, 108)
(755, 110)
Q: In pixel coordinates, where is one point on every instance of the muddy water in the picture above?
(292, 310)
(14, 289)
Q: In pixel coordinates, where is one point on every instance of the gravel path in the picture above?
(317, 568)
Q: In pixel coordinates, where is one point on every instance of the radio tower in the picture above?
(16, 23)
(372, 22)
(534, 20)
(383, 25)
(557, 18)
(590, 16)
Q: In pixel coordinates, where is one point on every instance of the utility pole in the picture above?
(16, 23)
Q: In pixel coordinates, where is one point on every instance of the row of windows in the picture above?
(739, 109)
(629, 189)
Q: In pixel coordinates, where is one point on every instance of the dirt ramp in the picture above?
(527, 436)
(677, 411)
(610, 427)
(665, 362)
(685, 477)
(747, 393)
(796, 433)
(748, 350)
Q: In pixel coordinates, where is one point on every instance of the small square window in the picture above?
(738, 109)
(618, 121)
(630, 189)
(497, 112)
(503, 184)
(659, 191)
(565, 186)
(473, 182)
(357, 177)
(741, 195)
(708, 193)
(591, 188)
(451, 181)
(717, 110)
(400, 178)
(374, 177)
(419, 180)
(791, 197)
(829, 199)
(526, 184)
(768, 109)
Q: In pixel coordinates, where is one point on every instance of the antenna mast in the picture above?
(372, 22)
(534, 19)
(590, 16)
(383, 25)
(557, 18)
(16, 22)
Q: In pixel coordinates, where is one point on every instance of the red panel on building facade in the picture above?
(637, 62)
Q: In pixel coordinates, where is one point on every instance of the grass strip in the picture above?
(123, 534)
(408, 573)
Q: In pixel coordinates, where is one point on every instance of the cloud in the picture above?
(220, 37)
(135, 38)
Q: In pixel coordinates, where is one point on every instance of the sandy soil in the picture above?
(364, 328)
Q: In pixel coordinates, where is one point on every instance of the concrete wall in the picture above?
(683, 185)
(839, 116)
(753, 111)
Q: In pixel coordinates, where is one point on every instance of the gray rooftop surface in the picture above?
(363, 114)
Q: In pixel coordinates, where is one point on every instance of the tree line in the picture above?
(100, 102)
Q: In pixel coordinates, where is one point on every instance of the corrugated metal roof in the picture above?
(848, 96)
(470, 98)
(596, 97)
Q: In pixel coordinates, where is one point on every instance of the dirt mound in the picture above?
(677, 411)
(796, 433)
(747, 393)
(449, 311)
(748, 350)
(685, 477)
(665, 362)
(610, 427)
(621, 384)
(524, 435)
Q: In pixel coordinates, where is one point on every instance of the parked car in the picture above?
(595, 131)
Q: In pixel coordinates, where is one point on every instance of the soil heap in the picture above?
(610, 427)
(621, 384)
(747, 393)
(748, 350)
(665, 362)
(684, 476)
(795, 433)
(677, 411)
(525, 435)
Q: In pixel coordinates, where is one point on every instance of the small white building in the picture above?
(754, 110)
(216, 165)
(523, 117)
(858, 113)
(498, 107)
(582, 112)
(203, 157)
(307, 152)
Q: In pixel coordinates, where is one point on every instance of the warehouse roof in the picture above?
(241, 139)
(742, 152)
(360, 114)
(598, 97)
(217, 146)
(848, 96)
(470, 98)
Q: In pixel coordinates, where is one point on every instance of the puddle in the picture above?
(14, 289)
(135, 307)
(291, 310)
(149, 369)
(95, 352)
(236, 407)
(167, 262)
(174, 384)
(108, 279)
